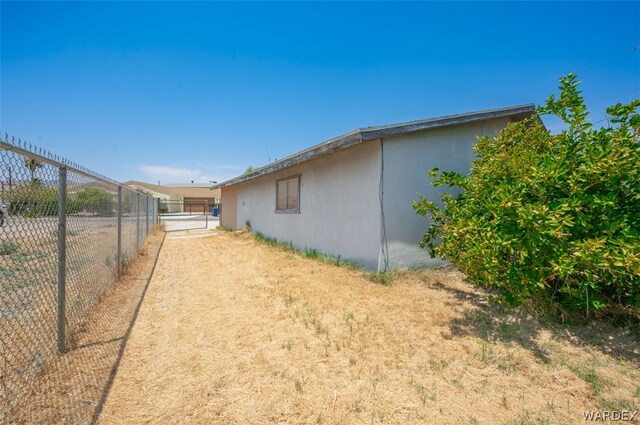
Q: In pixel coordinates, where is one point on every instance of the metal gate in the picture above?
(180, 215)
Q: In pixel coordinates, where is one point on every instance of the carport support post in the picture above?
(119, 214)
(137, 221)
(62, 256)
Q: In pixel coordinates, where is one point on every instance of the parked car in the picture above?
(3, 213)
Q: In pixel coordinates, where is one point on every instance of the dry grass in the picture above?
(28, 291)
(68, 388)
(236, 331)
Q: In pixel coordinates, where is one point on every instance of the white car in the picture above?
(3, 213)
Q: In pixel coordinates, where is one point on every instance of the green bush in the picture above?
(92, 199)
(36, 199)
(33, 199)
(552, 218)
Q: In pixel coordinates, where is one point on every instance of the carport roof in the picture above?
(365, 134)
(203, 192)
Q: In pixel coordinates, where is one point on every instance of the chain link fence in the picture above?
(66, 234)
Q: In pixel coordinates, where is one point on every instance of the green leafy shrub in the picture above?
(92, 199)
(33, 199)
(553, 218)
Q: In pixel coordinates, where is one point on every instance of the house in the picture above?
(180, 197)
(195, 195)
(352, 195)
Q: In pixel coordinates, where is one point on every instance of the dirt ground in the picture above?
(28, 290)
(235, 331)
(69, 388)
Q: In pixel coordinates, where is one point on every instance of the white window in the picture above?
(288, 195)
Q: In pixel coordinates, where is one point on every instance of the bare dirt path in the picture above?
(235, 331)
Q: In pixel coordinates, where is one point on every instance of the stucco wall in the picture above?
(229, 207)
(407, 159)
(339, 205)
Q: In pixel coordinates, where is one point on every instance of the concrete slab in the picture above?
(175, 223)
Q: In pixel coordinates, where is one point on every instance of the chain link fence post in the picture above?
(119, 225)
(146, 216)
(62, 257)
(64, 226)
(137, 221)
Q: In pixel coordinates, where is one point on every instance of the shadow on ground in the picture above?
(72, 388)
(491, 322)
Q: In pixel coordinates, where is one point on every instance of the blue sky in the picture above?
(199, 91)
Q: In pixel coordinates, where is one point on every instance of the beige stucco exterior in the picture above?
(339, 205)
(357, 202)
(229, 207)
(180, 198)
(407, 159)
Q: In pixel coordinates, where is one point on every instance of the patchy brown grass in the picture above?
(236, 331)
(68, 388)
(28, 290)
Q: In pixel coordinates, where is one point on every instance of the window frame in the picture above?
(288, 210)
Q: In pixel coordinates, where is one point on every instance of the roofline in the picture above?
(365, 134)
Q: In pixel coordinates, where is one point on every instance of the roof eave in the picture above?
(374, 133)
(324, 148)
(516, 112)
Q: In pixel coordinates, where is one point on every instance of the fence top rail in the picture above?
(20, 146)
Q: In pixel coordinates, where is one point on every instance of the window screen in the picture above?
(288, 194)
